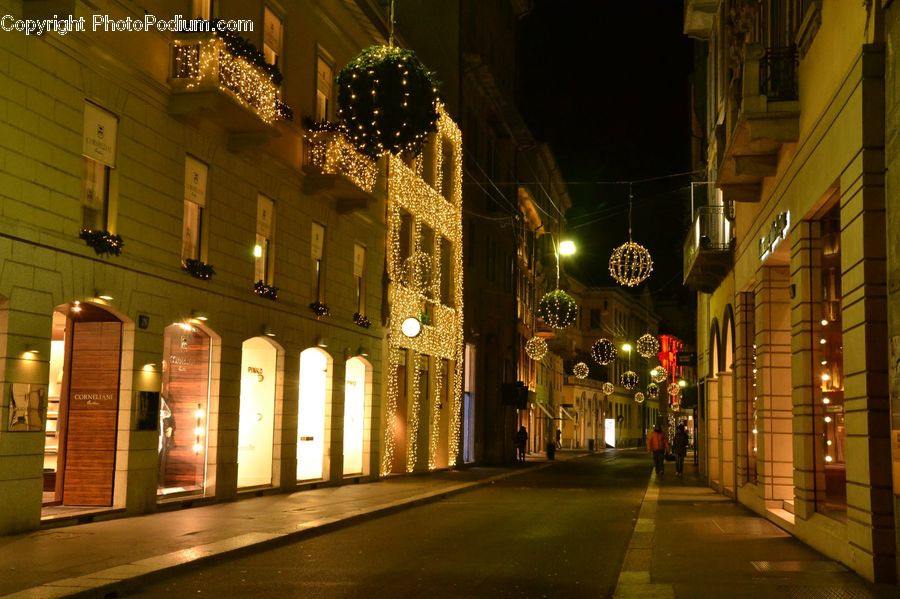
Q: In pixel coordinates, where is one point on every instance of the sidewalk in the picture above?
(692, 542)
(102, 557)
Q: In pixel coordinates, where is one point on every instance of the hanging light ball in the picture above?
(581, 370)
(388, 101)
(630, 264)
(674, 389)
(658, 374)
(647, 345)
(629, 379)
(604, 351)
(676, 407)
(608, 388)
(536, 348)
(558, 309)
(653, 390)
(638, 397)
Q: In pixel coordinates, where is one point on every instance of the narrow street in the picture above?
(559, 531)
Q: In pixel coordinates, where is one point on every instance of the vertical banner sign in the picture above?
(359, 260)
(264, 215)
(195, 175)
(895, 418)
(100, 130)
(318, 242)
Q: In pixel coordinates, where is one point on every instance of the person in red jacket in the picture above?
(657, 444)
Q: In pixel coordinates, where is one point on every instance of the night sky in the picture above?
(605, 84)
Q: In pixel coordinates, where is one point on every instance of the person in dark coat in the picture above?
(679, 448)
(521, 442)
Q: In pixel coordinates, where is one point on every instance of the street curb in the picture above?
(111, 582)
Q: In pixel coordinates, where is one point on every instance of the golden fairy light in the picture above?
(536, 348)
(333, 154)
(638, 397)
(604, 351)
(647, 345)
(608, 388)
(629, 379)
(581, 370)
(630, 263)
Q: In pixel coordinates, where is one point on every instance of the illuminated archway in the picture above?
(315, 388)
(256, 427)
(357, 411)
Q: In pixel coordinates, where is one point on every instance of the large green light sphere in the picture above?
(558, 309)
(388, 101)
(604, 351)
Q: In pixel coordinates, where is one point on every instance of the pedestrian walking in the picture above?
(658, 445)
(558, 439)
(521, 443)
(679, 448)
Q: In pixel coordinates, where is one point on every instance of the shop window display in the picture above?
(183, 410)
(256, 427)
(828, 370)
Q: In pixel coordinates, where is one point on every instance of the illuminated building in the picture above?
(787, 251)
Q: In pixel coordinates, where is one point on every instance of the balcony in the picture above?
(708, 249)
(768, 118)
(212, 83)
(334, 166)
(699, 17)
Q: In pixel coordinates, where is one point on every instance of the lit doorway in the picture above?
(357, 398)
(256, 427)
(184, 410)
(83, 407)
(314, 381)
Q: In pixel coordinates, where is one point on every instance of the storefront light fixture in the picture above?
(829, 459)
(822, 341)
(267, 331)
(149, 367)
(30, 353)
(198, 315)
(824, 322)
(828, 419)
(76, 306)
(411, 327)
(257, 251)
(104, 295)
(826, 401)
(362, 351)
(321, 342)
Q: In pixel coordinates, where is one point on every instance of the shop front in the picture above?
(256, 425)
(315, 389)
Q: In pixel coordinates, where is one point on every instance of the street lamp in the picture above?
(566, 247)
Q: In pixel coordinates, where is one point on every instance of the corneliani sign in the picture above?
(777, 232)
(94, 398)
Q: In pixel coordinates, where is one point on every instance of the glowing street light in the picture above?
(566, 248)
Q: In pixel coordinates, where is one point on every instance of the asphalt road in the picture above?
(560, 531)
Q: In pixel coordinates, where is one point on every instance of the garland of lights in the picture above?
(103, 242)
(436, 409)
(581, 370)
(755, 429)
(266, 291)
(417, 271)
(408, 193)
(647, 345)
(638, 397)
(629, 379)
(198, 269)
(608, 388)
(388, 100)
(558, 309)
(320, 309)
(329, 150)
(653, 390)
(604, 351)
(361, 320)
(536, 348)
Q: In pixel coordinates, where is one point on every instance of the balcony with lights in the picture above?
(223, 79)
(767, 119)
(334, 167)
(708, 249)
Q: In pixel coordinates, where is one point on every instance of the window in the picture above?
(404, 238)
(359, 274)
(318, 257)
(448, 170)
(99, 150)
(447, 273)
(426, 246)
(192, 233)
(596, 318)
(265, 233)
(272, 35)
(324, 87)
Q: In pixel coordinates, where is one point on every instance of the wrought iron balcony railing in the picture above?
(708, 248)
(205, 63)
(778, 74)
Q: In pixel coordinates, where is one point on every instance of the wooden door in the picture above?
(92, 413)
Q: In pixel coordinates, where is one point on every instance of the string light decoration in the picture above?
(388, 100)
(231, 67)
(755, 429)
(638, 397)
(608, 388)
(558, 309)
(653, 390)
(436, 411)
(442, 337)
(604, 351)
(674, 390)
(647, 345)
(658, 374)
(629, 379)
(417, 271)
(581, 370)
(328, 150)
(103, 243)
(630, 264)
(536, 348)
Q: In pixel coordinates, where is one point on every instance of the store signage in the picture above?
(100, 130)
(93, 399)
(258, 371)
(195, 176)
(777, 232)
(686, 358)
